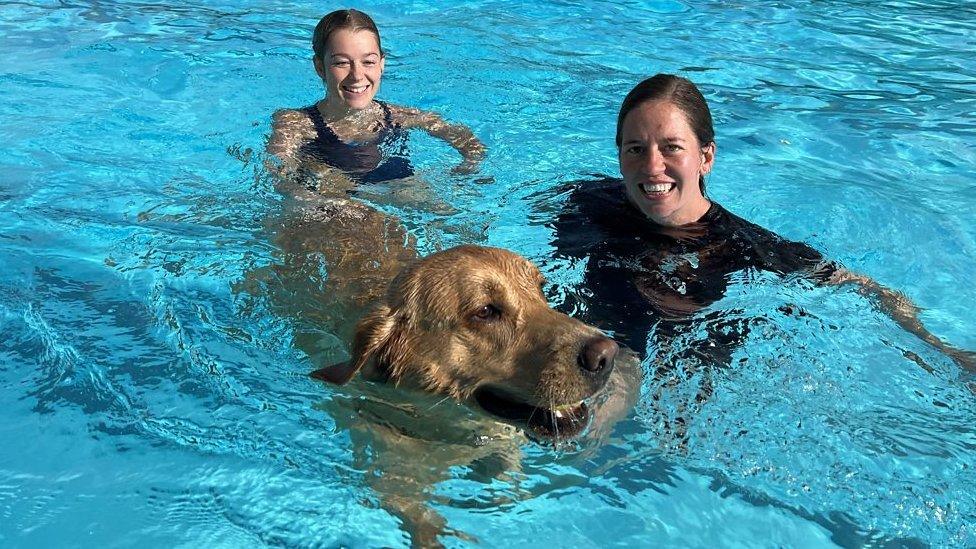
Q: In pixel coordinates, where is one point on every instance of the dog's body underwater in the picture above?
(458, 354)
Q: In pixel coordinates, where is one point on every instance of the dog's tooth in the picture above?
(559, 411)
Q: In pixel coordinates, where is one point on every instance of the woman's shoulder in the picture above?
(721, 220)
(601, 197)
(780, 254)
(589, 211)
(290, 128)
(401, 110)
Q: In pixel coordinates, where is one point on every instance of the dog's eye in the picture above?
(486, 314)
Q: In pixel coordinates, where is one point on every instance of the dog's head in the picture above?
(472, 323)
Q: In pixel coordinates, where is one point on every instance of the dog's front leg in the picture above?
(409, 500)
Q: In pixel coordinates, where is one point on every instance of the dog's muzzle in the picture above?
(597, 356)
(595, 360)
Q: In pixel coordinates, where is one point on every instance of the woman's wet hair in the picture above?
(353, 20)
(680, 92)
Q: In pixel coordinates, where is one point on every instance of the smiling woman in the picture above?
(662, 250)
(349, 136)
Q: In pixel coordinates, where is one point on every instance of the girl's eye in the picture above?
(488, 313)
(369, 63)
(340, 63)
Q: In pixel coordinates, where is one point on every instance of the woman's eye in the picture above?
(487, 314)
(340, 63)
(671, 147)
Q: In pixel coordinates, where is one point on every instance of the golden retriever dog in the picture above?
(472, 323)
(456, 357)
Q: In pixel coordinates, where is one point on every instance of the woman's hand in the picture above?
(901, 309)
(965, 359)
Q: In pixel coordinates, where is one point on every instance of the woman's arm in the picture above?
(458, 136)
(901, 309)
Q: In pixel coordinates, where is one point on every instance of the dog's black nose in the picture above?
(598, 354)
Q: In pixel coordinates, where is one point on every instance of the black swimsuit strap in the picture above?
(387, 114)
(322, 130)
(327, 133)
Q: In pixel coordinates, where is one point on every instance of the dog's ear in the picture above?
(372, 334)
(337, 373)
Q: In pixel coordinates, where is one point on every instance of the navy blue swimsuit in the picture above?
(382, 159)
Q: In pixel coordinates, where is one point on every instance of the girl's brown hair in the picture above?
(354, 20)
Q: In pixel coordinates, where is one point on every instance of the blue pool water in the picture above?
(148, 399)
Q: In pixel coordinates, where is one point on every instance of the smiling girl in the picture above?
(349, 135)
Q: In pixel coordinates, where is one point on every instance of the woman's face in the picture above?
(351, 68)
(661, 161)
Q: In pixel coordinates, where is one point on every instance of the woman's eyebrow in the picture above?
(348, 56)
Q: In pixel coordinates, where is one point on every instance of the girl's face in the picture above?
(661, 162)
(351, 68)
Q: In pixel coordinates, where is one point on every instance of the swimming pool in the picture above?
(148, 399)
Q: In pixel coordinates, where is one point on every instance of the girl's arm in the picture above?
(290, 129)
(458, 136)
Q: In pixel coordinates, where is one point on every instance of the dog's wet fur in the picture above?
(473, 324)
(454, 359)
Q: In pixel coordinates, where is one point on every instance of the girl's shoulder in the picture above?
(411, 117)
(297, 122)
(301, 115)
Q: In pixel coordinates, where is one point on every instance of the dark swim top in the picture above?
(639, 272)
(382, 159)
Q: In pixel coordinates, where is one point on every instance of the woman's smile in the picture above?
(358, 89)
(657, 191)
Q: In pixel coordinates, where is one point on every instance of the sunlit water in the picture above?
(152, 395)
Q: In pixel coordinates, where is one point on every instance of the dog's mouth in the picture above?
(560, 422)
